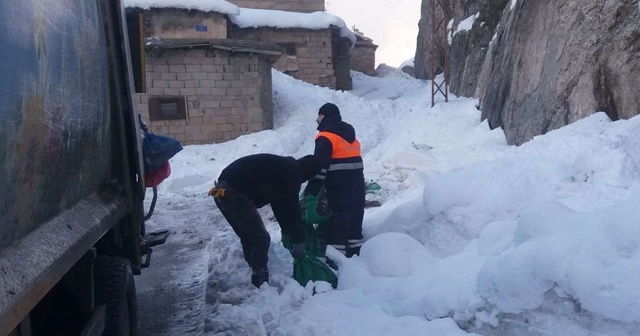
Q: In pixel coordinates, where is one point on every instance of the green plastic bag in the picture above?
(311, 268)
(315, 244)
(372, 187)
(316, 208)
(314, 214)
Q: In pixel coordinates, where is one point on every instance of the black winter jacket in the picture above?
(270, 179)
(345, 188)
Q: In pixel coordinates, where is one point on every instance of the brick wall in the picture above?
(305, 6)
(363, 58)
(227, 95)
(313, 51)
(176, 23)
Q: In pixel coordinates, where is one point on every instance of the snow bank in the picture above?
(473, 234)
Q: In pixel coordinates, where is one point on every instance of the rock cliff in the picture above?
(539, 65)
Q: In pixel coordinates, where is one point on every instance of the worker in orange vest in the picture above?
(340, 157)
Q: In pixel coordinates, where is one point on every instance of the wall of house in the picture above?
(227, 95)
(363, 58)
(176, 23)
(305, 6)
(313, 51)
(341, 55)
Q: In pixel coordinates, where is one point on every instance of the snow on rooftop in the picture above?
(219, 6)
(363, 37)
(254, 18)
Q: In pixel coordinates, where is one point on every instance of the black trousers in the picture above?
(344, 231)
(246, 222)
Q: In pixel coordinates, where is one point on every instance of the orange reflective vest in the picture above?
(342, 149)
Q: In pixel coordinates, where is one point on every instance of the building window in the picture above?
(289, 48)
(167, 108)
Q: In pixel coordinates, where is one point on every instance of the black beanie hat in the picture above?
(310, 165)
(329, 110)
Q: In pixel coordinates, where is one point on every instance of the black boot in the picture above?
(259, 277)
(351, 251)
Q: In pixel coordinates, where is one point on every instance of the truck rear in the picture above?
(71, 179)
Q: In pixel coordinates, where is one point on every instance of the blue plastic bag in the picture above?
(158, 149)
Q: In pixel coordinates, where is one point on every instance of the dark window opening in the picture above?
(167, 108)
(289, 48)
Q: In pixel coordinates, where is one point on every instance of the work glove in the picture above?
(298, 251)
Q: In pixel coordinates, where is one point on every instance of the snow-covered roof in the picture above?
(219, 6)
(254, 18)
(363, 37)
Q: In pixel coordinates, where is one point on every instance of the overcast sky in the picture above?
(392, 24)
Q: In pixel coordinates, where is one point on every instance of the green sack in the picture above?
(315, 243)
(313, 269)
(315, 215)
(371, 187)
(316, 208)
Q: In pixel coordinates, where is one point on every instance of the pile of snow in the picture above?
(219, 6)
(254, 18)
(410, 63)
(473, 235)
(466, 24)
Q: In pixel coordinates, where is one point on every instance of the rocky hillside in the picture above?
(539, 65)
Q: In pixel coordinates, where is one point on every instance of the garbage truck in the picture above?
(72, 232)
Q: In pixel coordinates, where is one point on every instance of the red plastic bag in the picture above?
(152, 179)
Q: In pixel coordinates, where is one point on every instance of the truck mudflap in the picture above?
(32, 266)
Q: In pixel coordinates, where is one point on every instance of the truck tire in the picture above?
(115, 288)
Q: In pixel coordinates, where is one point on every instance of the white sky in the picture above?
(392, 24)
(540, 239)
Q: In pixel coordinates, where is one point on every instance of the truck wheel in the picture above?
(115, 288)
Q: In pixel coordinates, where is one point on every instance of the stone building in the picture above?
(303, 6)
(363, 55)
(203, 74)
(197, 85)
(317, 52)
(208, 91)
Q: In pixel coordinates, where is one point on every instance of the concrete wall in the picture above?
(227, 95)
(176, 23)
(305, 6)
(313, 51)
(363, 58)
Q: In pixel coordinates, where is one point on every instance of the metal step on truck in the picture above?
(72, 232)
